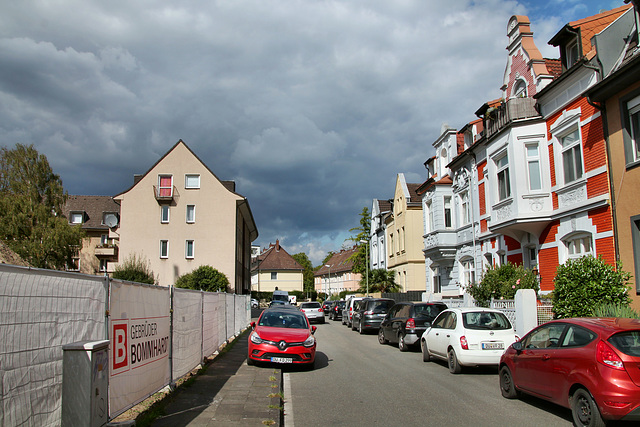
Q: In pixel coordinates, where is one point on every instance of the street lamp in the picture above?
(329, 286)
(366, 251)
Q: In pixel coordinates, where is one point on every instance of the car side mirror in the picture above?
(314, 329)
(253, 325)
(517, 346)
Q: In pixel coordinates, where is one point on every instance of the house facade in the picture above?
(336, 274)
(275, 269)
(403, 234)
(377, 247)
(180, 216)
(617, 96)
(99, 218)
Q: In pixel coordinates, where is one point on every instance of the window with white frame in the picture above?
(274, 275)
(76, 218)
(437, 287)
(572, 53)
(578, 245)
(164, 214)
(189, 248)
(164, 249)
(165, 186)
(465, 209)
(191, 214)
(468, 272)
(448, 223)
(533, 167)
(633, 107)
(191, 181)
(531, 256)
(520, 89)
(504, 181)
(430, 226)
(571, 156)
(103, 265)
(104, 239)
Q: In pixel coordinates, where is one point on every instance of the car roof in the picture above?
(606, 326)
(473, 310)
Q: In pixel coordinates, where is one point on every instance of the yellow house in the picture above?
(275, 268)
(180, 216)
(404, 236)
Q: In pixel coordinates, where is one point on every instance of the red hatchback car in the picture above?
(589, 365)
(282, 335)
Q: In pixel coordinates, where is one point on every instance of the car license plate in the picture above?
(493, 346)
(282, 360)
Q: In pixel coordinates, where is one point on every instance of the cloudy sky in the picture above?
(311, 106)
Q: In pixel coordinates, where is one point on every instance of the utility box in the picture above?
(85, 383)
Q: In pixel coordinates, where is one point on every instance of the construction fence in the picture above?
(157, 335)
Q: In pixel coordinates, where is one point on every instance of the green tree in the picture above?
(204, 278)
(307, 274)
(502, 282)
(134, 269)
(380, 280)
(32, 199)
(583, 284)
(359, 258)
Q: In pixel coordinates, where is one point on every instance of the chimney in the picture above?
(277, 245)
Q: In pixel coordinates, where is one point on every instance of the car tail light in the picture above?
(320, 310)
(411, 323)
(608, 357)
(463, 343)
(368, 313)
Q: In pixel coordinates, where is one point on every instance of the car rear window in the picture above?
(627, 342)
(428, 310)
(380, 306)
(310, 305)
(485, 320)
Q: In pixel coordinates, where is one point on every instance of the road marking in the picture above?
(288, 405)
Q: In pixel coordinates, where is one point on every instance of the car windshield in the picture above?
(485, 320)
(428, 310)
(627, 342)
(284, 319)
(310, 305)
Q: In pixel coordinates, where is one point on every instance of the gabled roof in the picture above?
(339, 262)
(413, 193)
(275, 258)
(445, 180)
(93, 207)
(383, 205)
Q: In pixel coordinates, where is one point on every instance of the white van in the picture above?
(280, 296)
(347, 313)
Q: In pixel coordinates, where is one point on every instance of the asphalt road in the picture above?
(358, 382)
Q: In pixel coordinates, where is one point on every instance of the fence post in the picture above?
(526, 311)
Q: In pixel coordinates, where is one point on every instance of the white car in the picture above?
(467, 337)
(313, 311)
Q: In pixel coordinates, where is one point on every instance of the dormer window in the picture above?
(571, 54)
(76, 218)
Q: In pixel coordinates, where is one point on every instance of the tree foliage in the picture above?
(32, 199)
(204, 278)
(380, 280)
(502, 283)
(359, 258)
(307, 275)
(134, 269)
(584, 283)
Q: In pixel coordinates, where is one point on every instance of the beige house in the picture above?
(179, 216)
(99, 217)
(336, 274)
(404, 231)
(275, 268)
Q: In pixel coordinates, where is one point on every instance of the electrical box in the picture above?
(85, 383)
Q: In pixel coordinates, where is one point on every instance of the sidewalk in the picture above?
(229, 393)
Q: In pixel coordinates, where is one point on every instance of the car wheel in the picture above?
(360, 330)
(402, 346)
(584, 410)
(353, 326)
(507, 387)
(426, 357)
(454, 365)
(343, 321)
(322, 320)
(381, 338)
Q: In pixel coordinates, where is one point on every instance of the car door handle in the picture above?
(448, 336)
(546, 357)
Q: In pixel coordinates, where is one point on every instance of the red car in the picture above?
(589, 365)
(282, 335)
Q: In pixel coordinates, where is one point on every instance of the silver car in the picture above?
(313, 311)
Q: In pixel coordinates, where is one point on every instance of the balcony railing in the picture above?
(163, 193)
(497, 118)
(110, 250)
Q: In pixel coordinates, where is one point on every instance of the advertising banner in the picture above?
(139, 330)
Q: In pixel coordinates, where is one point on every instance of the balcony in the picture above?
(106, 251)
(163, 193)
(498, 118)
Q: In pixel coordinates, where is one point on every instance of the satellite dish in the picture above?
(110, 220)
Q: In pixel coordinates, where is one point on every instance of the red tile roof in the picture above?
(339, 262)
(554, 66)
(275, 258)
(592, 25)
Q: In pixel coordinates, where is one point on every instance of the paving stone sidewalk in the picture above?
(229, 393)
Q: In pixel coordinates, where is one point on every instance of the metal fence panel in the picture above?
(40, 311)
(187, 331)
(211, 324)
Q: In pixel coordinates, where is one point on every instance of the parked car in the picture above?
(255, 303)
(326, 306)
(282, 335)
(369, 314)
(277, 303)
(347, 312)
(468, 337)
(589, 365)
(336, 310)
(406, 322)
(313, 310)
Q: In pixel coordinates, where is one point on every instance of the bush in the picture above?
(584, 283)
(502, 283)
(134, 269)
(204, 278)
(615, 310)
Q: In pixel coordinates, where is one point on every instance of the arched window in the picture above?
(520, 89)
(578, 245)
